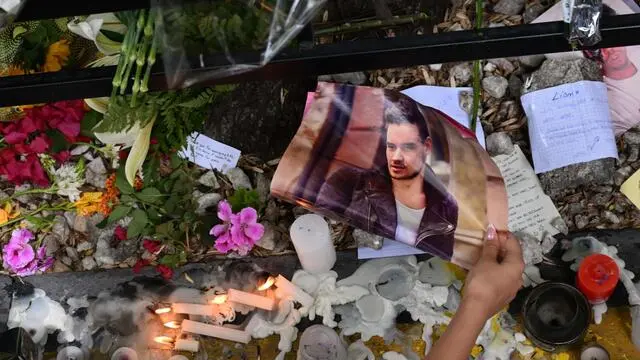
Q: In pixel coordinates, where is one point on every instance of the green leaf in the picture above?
(173, 260)
(176, 160)
(150, 195)
(58, 141)
(118, 213)
(166, 229)
(121, 182)
(137, 224)
(154, 215)
(171, 204)
(243, 198)
(90, 119)
(205, 225)
(112, 35)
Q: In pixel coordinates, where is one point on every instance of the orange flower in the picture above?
(89, 203)
(111, 195)
(57, 56)
(7, 213)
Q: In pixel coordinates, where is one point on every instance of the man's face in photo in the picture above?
(406, 153)
(617, 64)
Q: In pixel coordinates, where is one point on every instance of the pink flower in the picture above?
(18, 253)
(245, 230)
(137, 267)
(39, 144)
(238, 232)
(151, 246)
(165, 271)
(40, 263)
(120, 233)
(222, 232)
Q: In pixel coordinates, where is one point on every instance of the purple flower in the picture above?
(40, 263)
(19, 257)
(245, 230)
(238, 232)
(18, 253)
(222, 232)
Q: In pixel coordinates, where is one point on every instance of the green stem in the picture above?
(37, 211)
(477, 70)
(132, 52)
(371, 24)
(142, 53)
(51, 190)
(151, 60)
(122, 62)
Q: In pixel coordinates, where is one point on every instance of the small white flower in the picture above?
(112, 152)
(68, 180)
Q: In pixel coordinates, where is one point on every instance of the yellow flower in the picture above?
(4, 217)
(7, 213)
(89, 203)
(57, 56)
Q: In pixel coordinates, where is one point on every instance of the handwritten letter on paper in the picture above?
(569, 124)
(208, 153)
(530, 210)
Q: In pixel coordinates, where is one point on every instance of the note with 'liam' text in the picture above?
(569, 124)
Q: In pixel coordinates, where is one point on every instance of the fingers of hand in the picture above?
(512, 252)
(491, 250)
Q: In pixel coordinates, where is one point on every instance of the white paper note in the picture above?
(569, 124)
(447, 100)
(208, 153)
(530, 210)
(390, 248)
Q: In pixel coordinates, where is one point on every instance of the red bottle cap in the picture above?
(597, 277)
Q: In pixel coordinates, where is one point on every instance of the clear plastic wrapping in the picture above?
(584, 25)
(226, 36)
(9, 9)
(381, 162)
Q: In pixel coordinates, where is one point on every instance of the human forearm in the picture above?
(461, 334)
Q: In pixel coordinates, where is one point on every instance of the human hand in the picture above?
(497, 277)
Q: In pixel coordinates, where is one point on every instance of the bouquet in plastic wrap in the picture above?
(205, 40)
(381, 162)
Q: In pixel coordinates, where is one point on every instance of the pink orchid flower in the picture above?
(245, 230)
(222, 232)
(238, 232)
(18, 253)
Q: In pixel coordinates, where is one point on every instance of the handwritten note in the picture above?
(208, 153)
(569, 124)
(530, 210)
(631, 188)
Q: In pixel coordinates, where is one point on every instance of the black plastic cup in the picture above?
(556, 316)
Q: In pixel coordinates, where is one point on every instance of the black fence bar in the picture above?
(622, 30)
(51, 9)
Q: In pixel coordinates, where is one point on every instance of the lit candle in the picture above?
(187, 345)
(254, 300)
(311, 237)
(193, 309)
(290, 290)
(220, 332)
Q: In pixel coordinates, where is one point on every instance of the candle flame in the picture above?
(172, 325)
(166, 340)
(267, 284)
(163, 310)
(219, 299)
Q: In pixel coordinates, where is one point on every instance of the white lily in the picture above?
(90, 27)
(138, 152)
(126, 138)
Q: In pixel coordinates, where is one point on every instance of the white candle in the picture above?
(312, 239)
(293, 291)
(193, 309)
(246, 298)
(187, 345)
(124, 353)
(220, 332)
